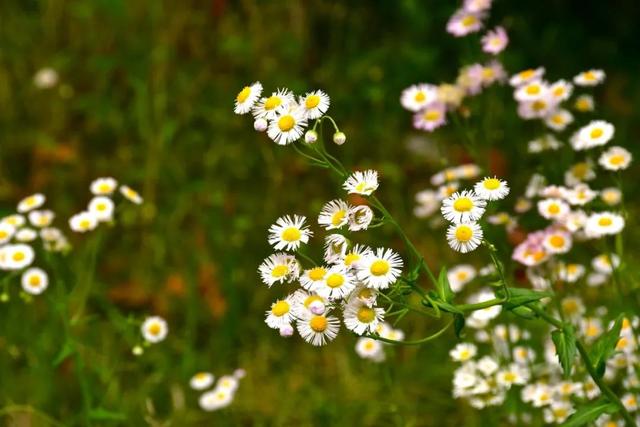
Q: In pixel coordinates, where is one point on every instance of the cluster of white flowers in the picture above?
(348, 280)
(222, 394)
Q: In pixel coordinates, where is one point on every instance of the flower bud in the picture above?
(286, 331)
(317, 308)
(339, 138)
(260, 125)
(311, 136)
(137, 350)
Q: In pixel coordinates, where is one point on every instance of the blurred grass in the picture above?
(145, 95)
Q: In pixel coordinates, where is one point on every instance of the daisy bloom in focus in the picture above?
(584, 103)
(491, 189)
(464, 237)
(603, 223)
(463, 207)
(279, 268)
(495, 41)
(362, 182)
(379, 269)
(289, 232)
(318, 330)
(553, 208)
(431, 118)
(314, 104)
(526, 76)
(464, 22)
(336, 284)
(417, 97)
(201, 381)
(335, 246)
(361, 319)
(360, 217)
(32, 202)
(287, 126)
(83, 221)
(305, 304)
(334, 214)
(131, 194)
(34, 281)
(355, 254)
(615, 158)
(247, 97)
(589, 78)
(102, 208)
(154, 329)
(280, 313)
(267, 108)
(103, 186)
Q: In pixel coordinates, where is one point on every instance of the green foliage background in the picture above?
(145, 95)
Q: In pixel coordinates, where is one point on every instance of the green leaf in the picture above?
(522, 296)
(458, 324)
(604, 347)
(524, 312)
(590, 413)
(102, 414)
(66, 351)
(444, 288)
(565, 342)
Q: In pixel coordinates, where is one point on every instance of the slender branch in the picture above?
(413, 342)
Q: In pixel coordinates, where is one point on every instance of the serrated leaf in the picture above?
(522, 296)
(444, 288)
(565, 342)
(604, 347)
(590, 412)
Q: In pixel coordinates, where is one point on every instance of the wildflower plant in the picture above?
(585, 369)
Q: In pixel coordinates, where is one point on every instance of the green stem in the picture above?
(414, 342)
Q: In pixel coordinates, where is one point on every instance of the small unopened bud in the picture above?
(286, 331)
(311, 136)
(137, 350)
(260, 125)
(239, 373)
(339, 138)
(317, 308)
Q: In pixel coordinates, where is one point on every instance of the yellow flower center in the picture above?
(34, 280)
(369, 345)
(463, 204)
(509, 377)
(3, 234)
(18, 256)
(491, 184)
(338, 217)
(432, 115)
(556, 241)
(335, 280)
(589, 75)
(420, 97)
(557, 119)
(488, 73)
(582, 104)
(318, 323)
(462, 275)
(286, 123)
(365, 293)
(366, 314)
(553, 209)
(533, 90)
(616, 159)
(596, 133)
(527, 73)
(379, 267)
(280, 308)
(312, 101)
(469, 20)
(464, 233)
(155, 329)
(85, 223)
(539, 105)
(104, 188)
(569, 306)
(101, 207)
(280, 271)
(351, 258)
(317, 273)
(558, 91)
(291, 234)
(605, 221)
(244, 94)
(272, 102)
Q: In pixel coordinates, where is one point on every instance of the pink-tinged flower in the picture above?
(531, 252)
(495, 41)
(470, 79)
(476, 5)
(464, 22)
(431, 117)
(537, 109)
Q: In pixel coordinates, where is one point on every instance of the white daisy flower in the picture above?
(379, 269)
(615, 158)
(553, 209)
(460, 275)
(304, 302)
(289, 232)
(312, 278)
(463, 352)
(103, 186)
(334, 214)
(318, 330)
(361, 319)
(580, 195)
(491, 189)
(154, 329)
(603, 224)
(570, 273)
(579, 173)
(463, 207)
(279, 268)
(32, 202)
(596, 133)
(287, 126)
(589, 78)
(417, 97)
(431, 118)
(611, 196)
(25, 235)
(314, 104)
(559, 119)
(83, 221)
(228, 382)
(363, 183)
(51, 234)
(360, 217)
(557, 242)
(215, 399)
(584, 103)
(354, 255)
(368, 348)
(201, 381)
(531, 91)
(42, 218)
(363, 295)
(15, 220)
(335, 246)
(16, 257)
(537, 109)
(247, 97)
(267, 108)
(102, 208)
(526, 76)
(544, 143)
(280, 313)
(561, 90)
(34, 281)
(464, 237)
(337, 284)
(605, 263)
(6, 232)
(131, 194)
